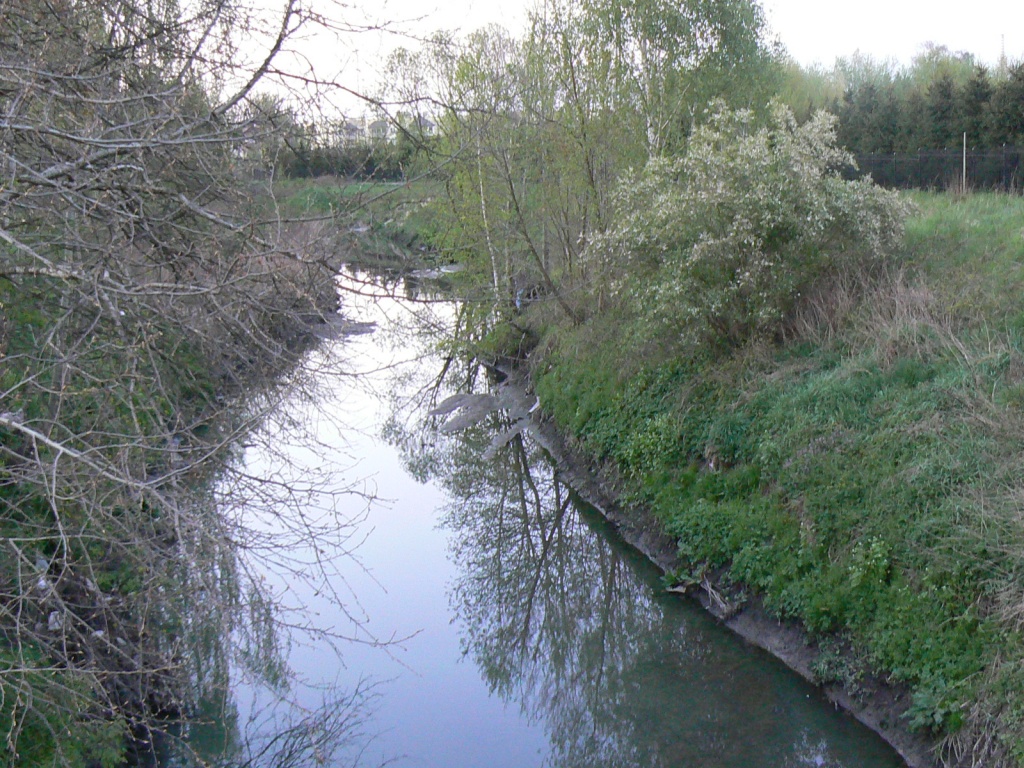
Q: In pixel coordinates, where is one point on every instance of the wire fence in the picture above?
(999, 169)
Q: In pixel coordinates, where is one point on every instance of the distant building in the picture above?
(352, 132)
(360, 130)
(379, 130)
(426, 126)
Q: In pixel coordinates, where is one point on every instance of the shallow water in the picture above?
(491, 618)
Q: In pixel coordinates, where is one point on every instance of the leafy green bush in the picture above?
(719, 245)
(47, 717)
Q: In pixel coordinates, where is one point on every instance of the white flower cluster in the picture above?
(724, 240)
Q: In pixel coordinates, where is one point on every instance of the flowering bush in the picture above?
(721, 243)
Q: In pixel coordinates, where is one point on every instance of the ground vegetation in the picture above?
(856, 472)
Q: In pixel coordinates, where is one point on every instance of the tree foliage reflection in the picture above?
(574, 627)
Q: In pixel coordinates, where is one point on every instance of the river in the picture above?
(462, 608)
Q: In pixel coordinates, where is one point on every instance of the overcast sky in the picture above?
(813, 31)
(819, 31)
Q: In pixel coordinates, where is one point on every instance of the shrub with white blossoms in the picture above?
(719, 245)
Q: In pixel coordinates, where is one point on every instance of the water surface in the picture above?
(491, 618)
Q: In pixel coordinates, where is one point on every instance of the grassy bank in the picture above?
(861, 476)
(381, 223)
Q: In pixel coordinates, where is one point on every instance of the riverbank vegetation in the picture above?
(151, 303)
(813, 383)
(858, 475)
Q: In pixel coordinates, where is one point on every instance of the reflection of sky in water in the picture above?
(431, 708)
(562, 650)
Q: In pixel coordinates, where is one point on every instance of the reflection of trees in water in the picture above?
(229, 626)
(553, 615)
(333, 734)
(280, 529)
(558, 619)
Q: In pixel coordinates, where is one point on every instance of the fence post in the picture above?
(1004, 180)
(963, 188)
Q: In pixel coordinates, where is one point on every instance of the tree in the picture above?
(808, 90)
(936, 61)
(912, 120)
(945, 121)
(666, 61)
(1007, 107)
(143, 285)
(975, 98)
(867, 119)
(537, 130)
(719, 247)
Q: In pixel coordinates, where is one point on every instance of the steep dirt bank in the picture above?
(876, 704)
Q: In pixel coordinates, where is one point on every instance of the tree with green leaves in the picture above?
(717, 248)
(975, 100)
(1007, 106)
(537, 131)
(945, 120)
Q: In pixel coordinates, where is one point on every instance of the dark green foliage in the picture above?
(869, 118)
(926, 106)
(945, 115)
(975, 101)
(46, 712)
(1007, 107)
(383, 161)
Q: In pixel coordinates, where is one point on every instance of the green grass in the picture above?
(390, 219)
(328, 195)
(866, 481)
(971, 249)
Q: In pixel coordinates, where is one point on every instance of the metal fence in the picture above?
(1001, 169)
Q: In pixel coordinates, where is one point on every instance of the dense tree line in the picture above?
(537, 129)
(376, 161)
(929, 105)
(386, 150)
(360, 161)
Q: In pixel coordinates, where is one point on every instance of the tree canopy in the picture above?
(536, 130)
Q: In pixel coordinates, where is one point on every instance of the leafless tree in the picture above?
(145, 287)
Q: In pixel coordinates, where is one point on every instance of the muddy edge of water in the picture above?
(878, 705)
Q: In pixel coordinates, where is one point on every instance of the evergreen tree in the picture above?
(850, 130)
(912, 121)
(975, 98)
(884, 121)
(944, 120)
(1008, 109)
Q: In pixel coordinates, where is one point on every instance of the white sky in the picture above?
(813, 31)
(819, 30)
